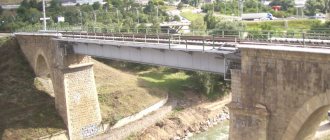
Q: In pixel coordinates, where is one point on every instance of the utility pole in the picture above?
(257, 6)
(240, 7)
(225, 7)
(117, 16)
(81, 22)
(157, 13)
(44, 15)
(138, 17)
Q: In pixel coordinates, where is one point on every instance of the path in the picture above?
(139, 125)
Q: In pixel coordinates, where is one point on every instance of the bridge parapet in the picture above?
(72, 78)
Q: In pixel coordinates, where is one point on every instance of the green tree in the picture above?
(210, 20)
(315, 6)
(177, 18)
(198, 24)
(1, 10)
(180, 6)
(55, 5)
(96, 5)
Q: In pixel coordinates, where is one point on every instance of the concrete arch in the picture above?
(306, 120)
(41, 67)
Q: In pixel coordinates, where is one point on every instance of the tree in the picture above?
(198, 24)
(180, 6)
(230, 27)
(1, 10)
(96, 5)
(210, 20)
(55, 5)
(315, 6)
(177, 18)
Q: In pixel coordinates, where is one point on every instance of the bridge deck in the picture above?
(190, 57)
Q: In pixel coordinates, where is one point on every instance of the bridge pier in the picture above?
(73, 82)
(76, 96)
(246, 123)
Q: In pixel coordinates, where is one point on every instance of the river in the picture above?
(218, 132)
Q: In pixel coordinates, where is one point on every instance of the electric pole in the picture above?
(44, 15)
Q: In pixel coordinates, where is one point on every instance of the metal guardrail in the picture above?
(234, 36)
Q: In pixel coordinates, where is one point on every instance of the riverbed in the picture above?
(217, 132)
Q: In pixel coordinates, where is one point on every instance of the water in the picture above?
(218, 132)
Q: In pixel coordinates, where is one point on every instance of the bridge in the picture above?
(278, 91)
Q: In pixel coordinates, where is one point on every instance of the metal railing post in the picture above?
(213, 41)
(169, 42)
(186, 45)
(122, 35)
(203, 45)
(145, 38)
(304, 43)
(158, 38)
(179, 39)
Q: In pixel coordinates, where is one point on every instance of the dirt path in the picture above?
(137, 126)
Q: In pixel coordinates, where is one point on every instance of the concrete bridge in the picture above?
(279, 92)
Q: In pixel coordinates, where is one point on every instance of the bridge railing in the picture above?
(287, 37)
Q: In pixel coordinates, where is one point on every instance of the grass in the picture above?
(280, 25)
(122, 94)
(173, 81)
(192, 16)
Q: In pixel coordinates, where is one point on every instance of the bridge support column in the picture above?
(76, 96)
(246, 122)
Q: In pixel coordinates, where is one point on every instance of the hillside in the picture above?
(10, 2)
(27, 112)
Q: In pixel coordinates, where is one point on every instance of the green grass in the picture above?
(173, 81)
(192, 16)
(122, 94)
(280, 25)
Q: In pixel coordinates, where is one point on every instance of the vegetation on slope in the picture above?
(122, 94)
(25, 111)
(176, 82)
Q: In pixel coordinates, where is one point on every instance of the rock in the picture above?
(204, 128)
(179, 133)
(191, 129)
(176, 138)
(189, 134)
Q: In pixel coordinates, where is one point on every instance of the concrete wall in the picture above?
(279, 95)
(140, 114)
(73, 82)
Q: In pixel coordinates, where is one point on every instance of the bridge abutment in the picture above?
(244, 120)
(280, 93)
(73, 81)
